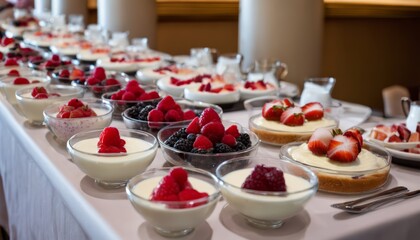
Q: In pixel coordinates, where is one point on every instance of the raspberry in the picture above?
(172, 116)
(155, 116)
(13, 73)
(135, 89)
(202, 142)
(111, 82)
(166, 104)
(229, 140)
(166, 190)
(76, 103)
(55, 58)
(208, 115)
(93, 81)
(189, 114)
(128, 96)
(64, 73)
(109, 138)
(37, 90)
(153, 95)
(265, 178)
(233, 130)
(99, 73)
(20, 81)
(194, 126)
(214, 131)
(179, 174)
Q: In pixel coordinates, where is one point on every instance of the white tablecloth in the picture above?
(47, 197)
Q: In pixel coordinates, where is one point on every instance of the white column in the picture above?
(42, 6)
(290, 30)
(67, 7)
(136, 16)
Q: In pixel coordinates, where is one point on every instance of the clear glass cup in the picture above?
(201, 57)
(318, 90)
(267, 69)
(76, 23)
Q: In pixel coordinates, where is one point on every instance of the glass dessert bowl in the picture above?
(112, 170)
(64, 128)
(367, 173)
(32, 107)
(173, 218)
(266, 207)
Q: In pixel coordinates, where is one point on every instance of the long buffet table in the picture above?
(47, 197)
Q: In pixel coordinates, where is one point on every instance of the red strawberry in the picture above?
(77, 73)
(233, 130)
(6, 41)
(64, 73)
(167, 190)
(167, 103)
(20, 81)
(202, 142)
(189, 114)
(172, 116)
(13, 73)
(99, 73)
(260, 85)
(37, 90)
(155, 116)
(91, 81)
(394, 138)
(319, 141)
(128, 96)
(76, 103)
(343, 149)
(403, 132)
(193, 127)
(273, 110)
(10, 62)
(356, 134)
(380, 132)
(293, 116)
(229, 140)
(111, 82)
(414, 137)
(77, 113)
(87, 112)
(63, 115)
(229, 87)
(313, 111)
(41, 96)
(208, 115)
(180, 176)
(286, 102)
(214, 131)
(55, 58)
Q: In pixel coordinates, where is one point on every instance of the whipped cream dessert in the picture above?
(174, 90)
(170, 219)
(113, 167)
(222, 97)
(247, 93)
(87, 55)
(365, 161)
(64, 128)
(265, 207)
(117, 66)
(150, 75)
(308, 126)
(9, 89)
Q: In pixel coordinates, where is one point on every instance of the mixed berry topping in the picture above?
(110, 141)
(197, 79)
(41, 92)
(264, 178)
(176, 187)
(75, 109)
(257, 85)
(134, 92)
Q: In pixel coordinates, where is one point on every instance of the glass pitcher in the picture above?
(318, 90)
(269, 70)
(411, 110)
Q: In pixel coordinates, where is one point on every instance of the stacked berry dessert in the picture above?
(151, 116)
(397, 133)
(281, 121)
(99, 83)
(342, 162)
(213, 92)
(205, 142)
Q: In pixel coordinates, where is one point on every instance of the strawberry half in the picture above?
(37, 90)
(356, 134)
(313, 111)
(293, 116)
(319, 141)
(208, 115)
(343, 149)
(273, 110)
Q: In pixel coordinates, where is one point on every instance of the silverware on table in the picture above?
(391, 191)
(375, 204)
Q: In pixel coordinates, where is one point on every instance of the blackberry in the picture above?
(145, 112)
(184, 145)
(222, 148)
(181, 133)
(201, 151)
(133, 112)
(239, 146)
(191, 137)
(244, 138)
(171, 141)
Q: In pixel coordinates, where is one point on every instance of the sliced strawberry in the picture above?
(214, 131)
(233, 130)
(380, 132)
(273, 110)
(313, 111)
(41, 96)
(216, 90)
(293, 116)
(37, 90)
(14, 73)
(20, 81)
(202, 142)
(208, 115)
(343, 149)
(260, 85)
(394, 138)
(403, 132)
(77, 113)
(356, 134)
(194, 126)
(319, 141)
(286, 102)
(167, 190)
(229, 87)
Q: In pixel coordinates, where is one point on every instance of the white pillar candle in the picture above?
(68, 7)
(42, 6)
(290, 30)
(138, 17)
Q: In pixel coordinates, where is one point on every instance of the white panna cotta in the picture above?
(9, 89)
(150, 75)
(266, 207)
(110, 168)
(171, 219)
(222, 97)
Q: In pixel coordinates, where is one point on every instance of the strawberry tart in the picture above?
(252, 89)
(342, 162)
(281, 121)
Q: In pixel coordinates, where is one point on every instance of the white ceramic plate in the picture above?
(394, 145)
(404, 155)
